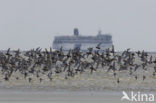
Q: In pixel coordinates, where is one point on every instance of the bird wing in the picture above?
(99, 44)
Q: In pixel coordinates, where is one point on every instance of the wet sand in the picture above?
(58, 97)
(61, 96)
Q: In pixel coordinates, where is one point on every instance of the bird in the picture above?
(17, 78)
(98, 46)
(30, 80)
(92, 69)
(50, 63)
(6, 78)
(41, 80)
(136, 77)
(114, 74)
(144, 77)
(118, 81)
(154, 74)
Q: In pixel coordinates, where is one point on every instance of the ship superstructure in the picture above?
(82, 42)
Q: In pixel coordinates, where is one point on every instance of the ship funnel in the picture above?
(76, 31)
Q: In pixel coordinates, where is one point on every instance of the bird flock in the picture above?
(50, 62)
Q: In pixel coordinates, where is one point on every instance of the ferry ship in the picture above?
(82, 42)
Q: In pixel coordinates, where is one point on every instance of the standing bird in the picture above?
(25, 75)
(118, 81)
(114, 74)
(41, 80)
(136, 77)
(130, 71)
(6, 78)
(144, 77)
(155, 68)
(92, 68)
(153, 74)
(17, 78)
(30, 80)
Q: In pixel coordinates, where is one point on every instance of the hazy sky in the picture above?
(28, 24)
